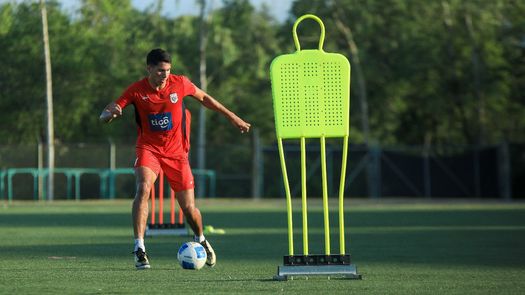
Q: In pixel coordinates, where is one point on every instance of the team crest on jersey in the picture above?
(174, 97)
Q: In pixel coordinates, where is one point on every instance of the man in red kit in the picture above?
(163, 143)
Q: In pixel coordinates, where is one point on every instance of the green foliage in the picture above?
(22, 79)
(241, 47)
(435, 71)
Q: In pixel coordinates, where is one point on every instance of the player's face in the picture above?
(159, 73)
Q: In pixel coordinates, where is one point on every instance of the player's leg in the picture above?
(145, 179)
(146, 170)
(193, 215)
(180, 177)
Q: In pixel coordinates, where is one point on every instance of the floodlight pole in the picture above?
(49, 106)
(201, 139)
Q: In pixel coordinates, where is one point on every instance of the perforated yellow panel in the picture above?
(311, 92)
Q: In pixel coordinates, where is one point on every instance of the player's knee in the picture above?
(143, 189)
(189, 209)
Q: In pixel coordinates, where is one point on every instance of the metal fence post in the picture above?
(374, 171)
(504, 171)
(330, 165)
(2, 187)
(477, 172)
(40, 160)
(427, 182)
(257, 165)
(112, 166)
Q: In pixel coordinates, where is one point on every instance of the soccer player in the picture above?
(163, 143)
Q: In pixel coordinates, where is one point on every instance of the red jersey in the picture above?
(159, 115)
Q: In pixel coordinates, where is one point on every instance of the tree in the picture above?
(436, 72)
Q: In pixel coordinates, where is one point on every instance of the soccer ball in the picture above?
(191, 255)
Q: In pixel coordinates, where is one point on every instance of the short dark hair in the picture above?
(157, 56)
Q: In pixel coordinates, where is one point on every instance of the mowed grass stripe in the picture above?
(400, 247)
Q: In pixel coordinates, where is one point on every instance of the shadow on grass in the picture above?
(271, 219)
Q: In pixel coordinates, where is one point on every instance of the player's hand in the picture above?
(110, 112)
(244, 127)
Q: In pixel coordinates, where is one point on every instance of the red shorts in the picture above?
(177, 171)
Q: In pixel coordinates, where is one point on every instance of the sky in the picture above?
(278, 8)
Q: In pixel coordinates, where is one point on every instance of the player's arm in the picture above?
(110, 112)
(212, 104)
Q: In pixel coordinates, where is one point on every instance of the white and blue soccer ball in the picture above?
(191, 255)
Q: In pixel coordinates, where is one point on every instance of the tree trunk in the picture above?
(361, 91)
(476, 73)
(373, 176)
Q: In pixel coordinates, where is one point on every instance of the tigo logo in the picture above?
(160, 122)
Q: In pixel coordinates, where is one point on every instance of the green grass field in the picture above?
(403, 247)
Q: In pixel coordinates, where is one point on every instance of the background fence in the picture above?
(254, 171)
